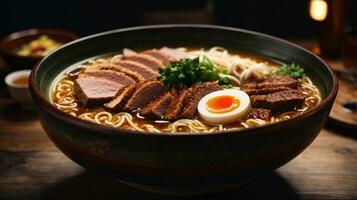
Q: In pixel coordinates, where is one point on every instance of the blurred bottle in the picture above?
(349, 54)
(331, 36)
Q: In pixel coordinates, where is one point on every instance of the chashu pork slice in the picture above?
(199, 90)
(156, 108)
(270, 85)
(266, 90)
(177, 54)
(146, 60)
(92, 90)
(108, 66)
(161, 55)
(111, 75)
(259, 113)
(143, 70)
(176, 106)
(144, 93)
(128, 52)
(285, 100)
(120, 99)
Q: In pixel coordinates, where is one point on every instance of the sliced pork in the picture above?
(162, 56)
(117, 77)
(132, 74)
(279, 81)
(143, 70)
(196, 94)
(279, 101)
(267, 90)
(120, 99)
(175, 108)
(259, 113)
(272, 82)
(156, 108)
(146, 60)
(177, 54)
(144, 93)
(128, 52)
(91, 90)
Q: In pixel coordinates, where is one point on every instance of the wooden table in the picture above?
(31, 167)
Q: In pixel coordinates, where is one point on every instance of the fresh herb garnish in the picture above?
(292, 70)
(187, 72)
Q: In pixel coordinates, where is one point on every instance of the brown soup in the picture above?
(21, 81)
(65, 98)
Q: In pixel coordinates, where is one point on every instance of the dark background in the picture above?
(284, 18)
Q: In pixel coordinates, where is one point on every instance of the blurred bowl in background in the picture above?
(12, 43)
(17, 84)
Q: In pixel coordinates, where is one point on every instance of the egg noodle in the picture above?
(240, 70)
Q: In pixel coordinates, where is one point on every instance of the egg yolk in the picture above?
(222, 104)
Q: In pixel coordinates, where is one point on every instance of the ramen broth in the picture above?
(65, 99)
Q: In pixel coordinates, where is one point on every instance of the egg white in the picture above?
(227, 117)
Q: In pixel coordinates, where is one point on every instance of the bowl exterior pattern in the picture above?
(203, 160)
(186, 160)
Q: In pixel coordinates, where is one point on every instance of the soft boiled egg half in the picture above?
(224, 106)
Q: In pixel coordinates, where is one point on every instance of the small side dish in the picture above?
(41, 47)
(24, 49)
(17, 84)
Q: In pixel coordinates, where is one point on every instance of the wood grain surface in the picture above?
(31, 167)
(347, 94)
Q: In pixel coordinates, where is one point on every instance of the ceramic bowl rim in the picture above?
(102, 129)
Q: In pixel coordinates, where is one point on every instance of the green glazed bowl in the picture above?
(181, 163)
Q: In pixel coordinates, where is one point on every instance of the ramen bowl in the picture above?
(180, 163)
